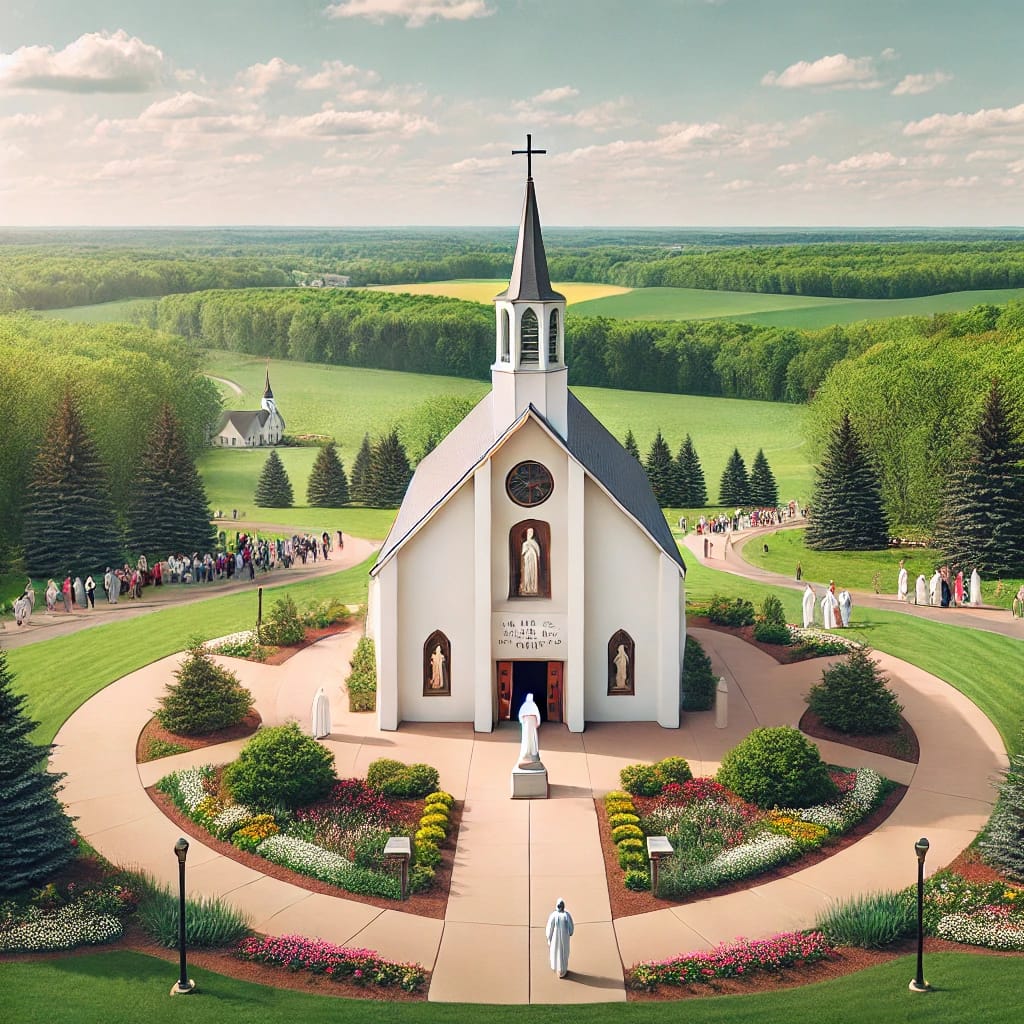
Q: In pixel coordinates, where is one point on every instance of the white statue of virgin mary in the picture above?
(529, 719)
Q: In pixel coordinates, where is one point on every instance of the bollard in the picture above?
(658, 847)
(721, 704)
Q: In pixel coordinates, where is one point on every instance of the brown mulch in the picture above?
(153, 730)
(901, 744)
(281, 654)
(626, 903)
(780, 653)
(430, 904)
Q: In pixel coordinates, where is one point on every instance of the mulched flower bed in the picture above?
(153, 730)
(779, 652)
(282, 654)
(901, 744)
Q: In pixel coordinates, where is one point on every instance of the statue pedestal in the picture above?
(529, 785)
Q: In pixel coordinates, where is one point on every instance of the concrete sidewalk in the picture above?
(514, 859)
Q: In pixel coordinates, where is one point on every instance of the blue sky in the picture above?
(653, 112)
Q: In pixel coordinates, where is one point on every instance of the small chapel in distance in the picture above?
(250, 428)
(529, 554)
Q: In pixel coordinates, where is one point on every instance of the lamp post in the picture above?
(184, 985)
(918, 984)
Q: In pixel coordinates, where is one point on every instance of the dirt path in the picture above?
(229, 384)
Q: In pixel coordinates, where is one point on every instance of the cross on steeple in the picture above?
(529, 151)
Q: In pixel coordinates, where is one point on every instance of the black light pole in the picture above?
(184, 985)
(919, 984)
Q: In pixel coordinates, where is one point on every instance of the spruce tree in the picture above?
(36, 836)
(735, 486)
(168, 511)
(661, 472)
(328, 485)
(693, 488)
(764, 491)
(390, 472)
(70, 524)
(846, 511)
(629, 443)
(360, 482)
(982, 520)
(274, 489)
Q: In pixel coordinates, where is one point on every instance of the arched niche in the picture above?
(553, 338)
(505, 333)
(621, 664)
(529, 339)
(437, 665)
(529, 560)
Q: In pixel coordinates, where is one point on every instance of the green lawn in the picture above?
(89, 989)
(103, 312)
(59, 675)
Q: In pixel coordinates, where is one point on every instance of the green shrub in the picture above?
(627, 832)
(773, 633)
(430, 834)
(280, 766)
(440, 820)
(641, 779)
(362, 681)
(614, 820)
(284, 626)
(1002, 842)
(209, 922)
(772, 613)
(616, 795)
(205, 697)
(854, 697)
(674, 769)
(620, 807)
(725, 612)
(428, 854)
(631, 843)
(324, 614)
(699, 681)
(156, 749)
(637, 880)
(383, 770)
(629, 859)
(870, 921)
(440, 797)
(777, 767)
(421, 878)
(401, 781)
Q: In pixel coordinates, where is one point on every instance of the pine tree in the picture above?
(982, 521)
(846, 510)
(168, 510)
(70, 524)
(661, 471)
(205, 697)
(735, 486)
(629, 443)
(764, 491)
(328, 485)
(274, 489)
(692, 486)
(36, 836)
(390, 472)
(360, 481)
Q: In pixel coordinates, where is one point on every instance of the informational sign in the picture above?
(529, 636)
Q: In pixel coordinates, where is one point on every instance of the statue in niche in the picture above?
(529, 560)
(437, 660)
(621, 664)
(529, 566)
(437, 666)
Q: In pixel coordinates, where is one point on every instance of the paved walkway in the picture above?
(514, 859)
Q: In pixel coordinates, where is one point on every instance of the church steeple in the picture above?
(267, 393)
(529, 363)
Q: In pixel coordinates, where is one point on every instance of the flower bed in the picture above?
(990, 915)
(359, 966)
(736, 960)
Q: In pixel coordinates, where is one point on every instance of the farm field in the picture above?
(484, 289)
(102, 313)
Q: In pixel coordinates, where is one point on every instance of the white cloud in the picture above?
(332, 123)
(334, 74)
(415, 13)
(95, 62)
(147, 166)
(737, 185)
(556, 95)
(257, 79)
(915, 85)
(477, 165)
(990, 154)
(836, 71)
(182, 104)
(868, 162)
(981, 122)
(962, 182)
(1017, 167)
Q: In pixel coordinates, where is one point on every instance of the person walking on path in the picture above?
(90, 591)
(65, 591)
(559, 929)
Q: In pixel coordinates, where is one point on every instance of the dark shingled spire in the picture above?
(530, 281)
(267, 393)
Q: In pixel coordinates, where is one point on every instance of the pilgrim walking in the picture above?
(558, 931)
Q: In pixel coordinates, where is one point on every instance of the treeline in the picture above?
(120, 375)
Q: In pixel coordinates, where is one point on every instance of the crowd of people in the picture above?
(743, 519)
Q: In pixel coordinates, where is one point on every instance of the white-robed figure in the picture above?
(845, 606)
(921, 590)
(829, 607)
(975, 587)
(902, 580)
(321, 715)
(809, 601)
(935, 588)
(529, 719)
(558, 931)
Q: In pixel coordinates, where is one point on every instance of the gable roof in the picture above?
(243, 420)
(456, 458)
(530, 281)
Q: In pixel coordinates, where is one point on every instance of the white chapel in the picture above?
(529, 554)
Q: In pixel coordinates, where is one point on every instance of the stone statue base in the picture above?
(531, 764)
(530, 784)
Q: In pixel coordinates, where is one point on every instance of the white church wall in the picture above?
(435, 591)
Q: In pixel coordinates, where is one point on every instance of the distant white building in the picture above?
(251, 428)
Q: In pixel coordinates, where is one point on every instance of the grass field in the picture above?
(87, 989)
(484, 289)
(103, 312)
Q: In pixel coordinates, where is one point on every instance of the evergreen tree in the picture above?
(846, 510)
(205, 697)
(274, 489)
(692, 486)
(764, 491)
(982, 520)
(36, 835)
(390, 472)
(735, 486)
(69, 524)
(360, 482)
(629, 443)
(328, 485)
(168, 510)
(661, 471)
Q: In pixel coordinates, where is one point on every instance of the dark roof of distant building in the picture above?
(243, 420)
(530, 281)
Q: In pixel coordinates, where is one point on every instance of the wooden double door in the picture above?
(544, 679)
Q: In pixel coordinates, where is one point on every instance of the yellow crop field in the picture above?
(485, 290)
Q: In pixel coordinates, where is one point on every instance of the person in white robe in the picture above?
(935, 588)
(809, 602)
(921, 590)
(845, 606)
(558, 931)
(321, 715)
(52, 593)
(79, 589)
(829, 607)
(22, 611)
(529, 719)
(975, 587)
(901, 583)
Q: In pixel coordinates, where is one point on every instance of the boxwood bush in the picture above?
(854, 697)
(362, 681)
(730, 612)
(401, 781)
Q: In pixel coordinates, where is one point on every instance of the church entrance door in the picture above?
(544, 679)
